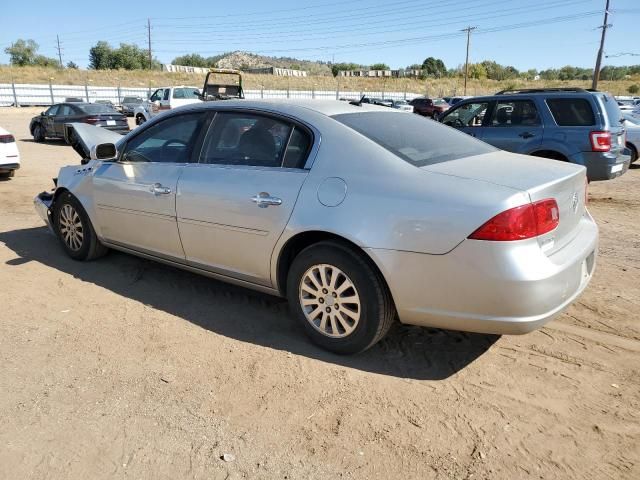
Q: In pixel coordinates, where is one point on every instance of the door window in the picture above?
(65, 110)
(466, 115)
(52, 110)
(571, 112)
(167, 91)
(515, 113)
(157, 95)
(248, 139)
(170, 140)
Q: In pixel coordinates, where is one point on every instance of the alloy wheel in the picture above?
(71, 227)
(330, 301)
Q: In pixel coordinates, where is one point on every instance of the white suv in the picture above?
(165, 98)
(9, 155)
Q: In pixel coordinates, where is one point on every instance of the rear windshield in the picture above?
(571, 112)
(612, 108)
(439, 101)
(185, 92)
(96, 108)
(415, 139)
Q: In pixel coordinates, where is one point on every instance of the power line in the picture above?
(149, 31)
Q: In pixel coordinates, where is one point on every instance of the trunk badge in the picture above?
(574, 202)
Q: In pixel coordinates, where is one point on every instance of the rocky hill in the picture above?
(244, 60)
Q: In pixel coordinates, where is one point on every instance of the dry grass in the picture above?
(144, 78)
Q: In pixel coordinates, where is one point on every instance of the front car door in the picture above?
(515, 126)
(48, 120)
(135, 197)
(468, 117)
(154, 107)
(233, 206)
(63, 116)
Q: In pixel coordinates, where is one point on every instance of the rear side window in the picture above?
(415, 139)
(612, 108)
(297, 149)
(571, 112)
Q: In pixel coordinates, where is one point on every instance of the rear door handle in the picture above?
(263, 200)
(526, 135)
(159, 189)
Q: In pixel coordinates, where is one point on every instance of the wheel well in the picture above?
(632, 147)
(33, 126)
(552, 154)
(305, 239)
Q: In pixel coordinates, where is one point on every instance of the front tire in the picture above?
(38, 133)
(140, 119)
(74, 229)
(340, 299)
(9, 174)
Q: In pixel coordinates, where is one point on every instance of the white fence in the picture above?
(31, 94)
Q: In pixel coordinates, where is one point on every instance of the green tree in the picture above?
(72, 65)
(100, 56)
(434, 67)
(191, 60)
(22, 52)
(379, 66)
(337, 67)
(127, 56)
(633, 89)
(477, 71)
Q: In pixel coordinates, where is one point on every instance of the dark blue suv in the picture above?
(572, 125)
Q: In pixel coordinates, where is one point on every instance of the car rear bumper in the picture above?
(605, 166)
(9, 167)
(489, 287)
(42, 203)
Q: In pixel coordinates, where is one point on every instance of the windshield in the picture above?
(97, 108)
(612, 108)
(439, 101)
(413, 138)
(132, 100)
(401, 102)
(186, 92)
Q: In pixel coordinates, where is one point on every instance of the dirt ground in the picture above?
(124, 368)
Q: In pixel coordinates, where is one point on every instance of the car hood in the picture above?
(83, 137)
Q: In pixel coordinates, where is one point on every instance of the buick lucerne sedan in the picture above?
(358, 215)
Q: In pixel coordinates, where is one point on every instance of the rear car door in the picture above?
(135, 196)
(515, 126)
(468, 117)
(233, 206)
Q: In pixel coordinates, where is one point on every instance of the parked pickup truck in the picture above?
(165, 98)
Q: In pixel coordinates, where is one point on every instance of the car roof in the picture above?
(324, 107)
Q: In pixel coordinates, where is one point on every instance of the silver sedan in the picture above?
(359, 215)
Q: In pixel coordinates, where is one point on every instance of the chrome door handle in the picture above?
(263, 200)
(158, 189)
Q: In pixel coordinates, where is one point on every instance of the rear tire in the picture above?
(38, 133)
(634, 152)
(341, 301)
(140, 119)
(74, 229)
(10, 174)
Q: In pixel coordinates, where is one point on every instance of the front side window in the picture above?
(52, 110)
(167, 91)
(466, 115)
(571, 112)
(157, 95)
(413, 138)
(65, 110)
(515, 113)
(246, 139)
(168, 141)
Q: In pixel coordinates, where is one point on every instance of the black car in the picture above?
(50, 123)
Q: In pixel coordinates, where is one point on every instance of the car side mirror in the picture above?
(104, 151)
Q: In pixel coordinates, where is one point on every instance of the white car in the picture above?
(9, 155)
(632, 124)
(165, 98)
(402, 105)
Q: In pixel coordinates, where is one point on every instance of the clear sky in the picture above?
(523, 33)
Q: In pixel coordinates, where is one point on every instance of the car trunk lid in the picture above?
(540, 178)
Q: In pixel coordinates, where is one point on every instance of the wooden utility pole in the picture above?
(149, 36)
(59, 50)
(466, 62)
(604, 26)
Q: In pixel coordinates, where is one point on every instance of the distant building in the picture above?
(277, 71)
(183, 69)
(381, 73)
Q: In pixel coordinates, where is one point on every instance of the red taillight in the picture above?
(91, 120)
(600, 141)
(520, 223)
(7, 139)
